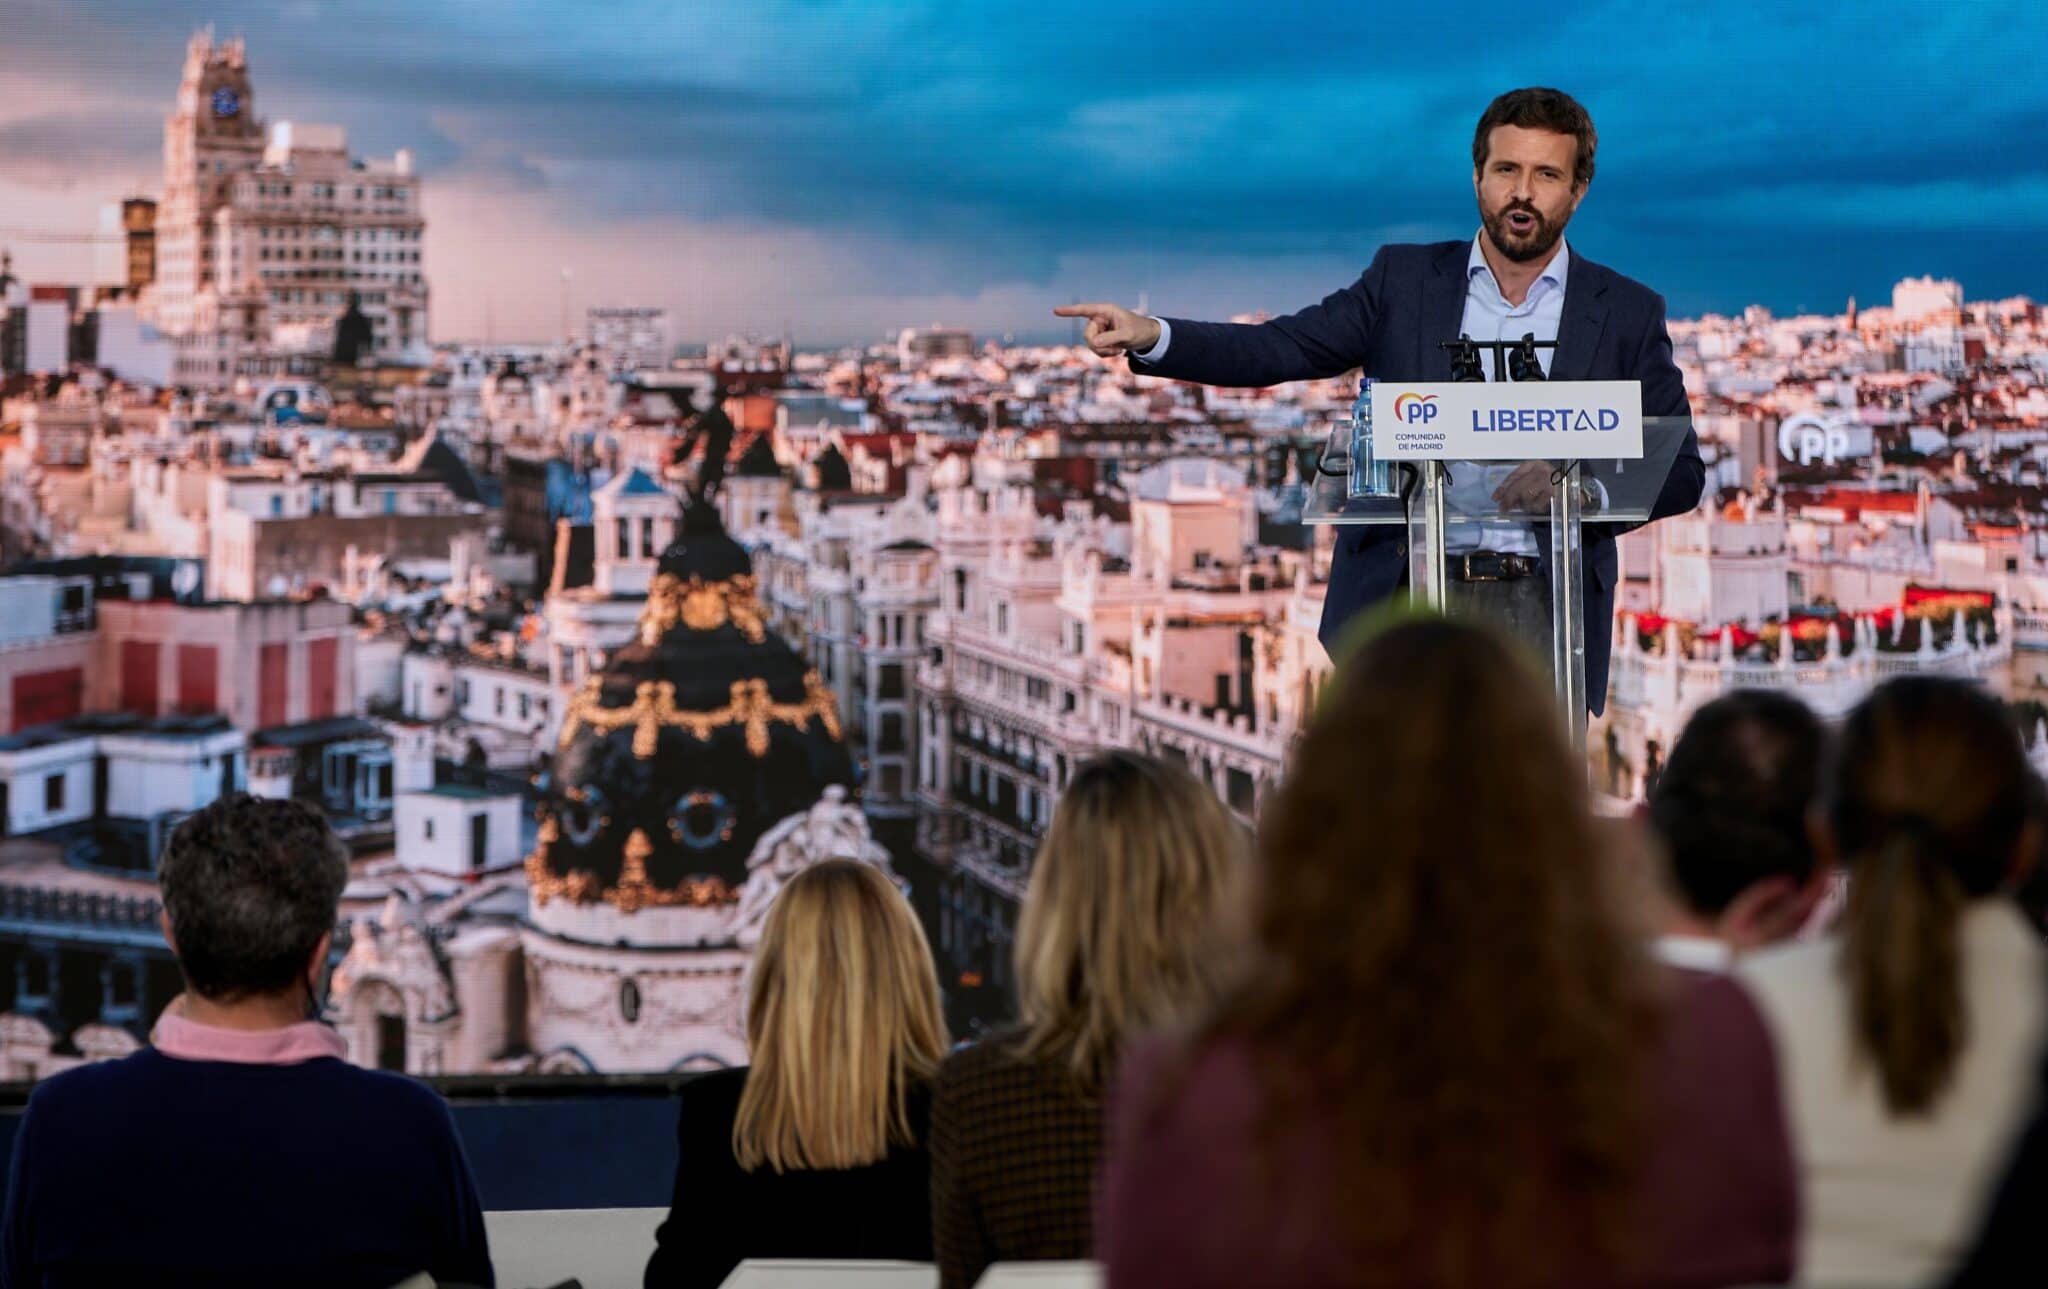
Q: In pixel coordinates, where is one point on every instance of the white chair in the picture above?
(1041, 1275)
(823, 1273)
(605, 1248)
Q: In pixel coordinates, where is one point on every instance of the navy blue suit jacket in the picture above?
(1389, 323)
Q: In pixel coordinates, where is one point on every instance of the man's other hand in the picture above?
(1113, 329)
(1526, 490)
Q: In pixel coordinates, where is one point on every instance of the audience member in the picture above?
(1451, 1060)
(1732, 811)
(1114, 939)
(262, 1156)
(817, 1150)
(1907, 1043)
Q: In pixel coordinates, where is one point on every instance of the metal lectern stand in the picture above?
(1449, 513)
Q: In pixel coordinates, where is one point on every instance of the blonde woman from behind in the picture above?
(816, 1150)
(1115, 939)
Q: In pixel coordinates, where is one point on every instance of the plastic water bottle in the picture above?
(1369, 477)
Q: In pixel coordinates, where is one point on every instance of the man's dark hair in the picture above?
(1540, 109)
(1732, 804)
(250, 886)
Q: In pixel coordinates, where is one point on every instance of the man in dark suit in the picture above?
(1532, 161)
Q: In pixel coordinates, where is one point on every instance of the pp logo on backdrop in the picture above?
(1415, 409)
(1807, 438)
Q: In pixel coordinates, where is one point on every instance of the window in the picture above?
(498, 700)
(429, 829)
(53, 793)
(525, 706)
(1002, 619)
(1240, 791)
(121, 983)
(891, 681)
(624, 538)
(646, 537)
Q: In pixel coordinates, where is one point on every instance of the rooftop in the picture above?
(126, 724)
(309, 733)
(464, 792)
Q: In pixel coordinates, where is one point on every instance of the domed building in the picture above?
(698, 771)
(696, 738)
(682, 796)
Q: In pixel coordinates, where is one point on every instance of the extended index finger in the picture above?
(1083, 310)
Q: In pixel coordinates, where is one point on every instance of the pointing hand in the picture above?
(1113, 329)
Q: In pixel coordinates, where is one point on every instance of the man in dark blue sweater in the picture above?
(241, 1148)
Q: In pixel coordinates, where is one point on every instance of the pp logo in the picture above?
(1807, 438)
(1415, 409)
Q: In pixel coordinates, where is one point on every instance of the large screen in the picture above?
(608, 468)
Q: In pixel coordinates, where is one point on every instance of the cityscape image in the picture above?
(815, 642)
(609, 461)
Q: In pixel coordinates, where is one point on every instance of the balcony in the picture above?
(1047, 657)
(1229, 731)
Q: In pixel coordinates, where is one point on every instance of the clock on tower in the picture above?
(226, 102)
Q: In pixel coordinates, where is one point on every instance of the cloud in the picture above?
(966, 153)
(65, 149)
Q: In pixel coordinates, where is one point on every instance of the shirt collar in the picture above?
(185, 1039)
(1555, 272)
(1695, 953)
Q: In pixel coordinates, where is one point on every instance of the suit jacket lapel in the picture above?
(1443, 309)
(1584, 317)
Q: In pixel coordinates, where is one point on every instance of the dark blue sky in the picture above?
(844, 168)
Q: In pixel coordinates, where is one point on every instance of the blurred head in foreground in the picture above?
(1930, 806)
(1441, 956)
(1733, 810)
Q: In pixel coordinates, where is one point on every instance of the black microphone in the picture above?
(1465, 365)
(1522, 362)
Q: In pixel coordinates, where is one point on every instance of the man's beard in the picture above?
(1521, 248)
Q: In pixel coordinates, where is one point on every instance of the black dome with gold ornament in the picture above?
(698, 737)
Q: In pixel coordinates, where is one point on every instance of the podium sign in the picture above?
(1507, 421)
(1491, 531)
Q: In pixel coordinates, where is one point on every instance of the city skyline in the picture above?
(842, 170)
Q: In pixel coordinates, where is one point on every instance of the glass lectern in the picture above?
(1472, 525)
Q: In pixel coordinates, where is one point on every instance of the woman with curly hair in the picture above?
(1450, 1060)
